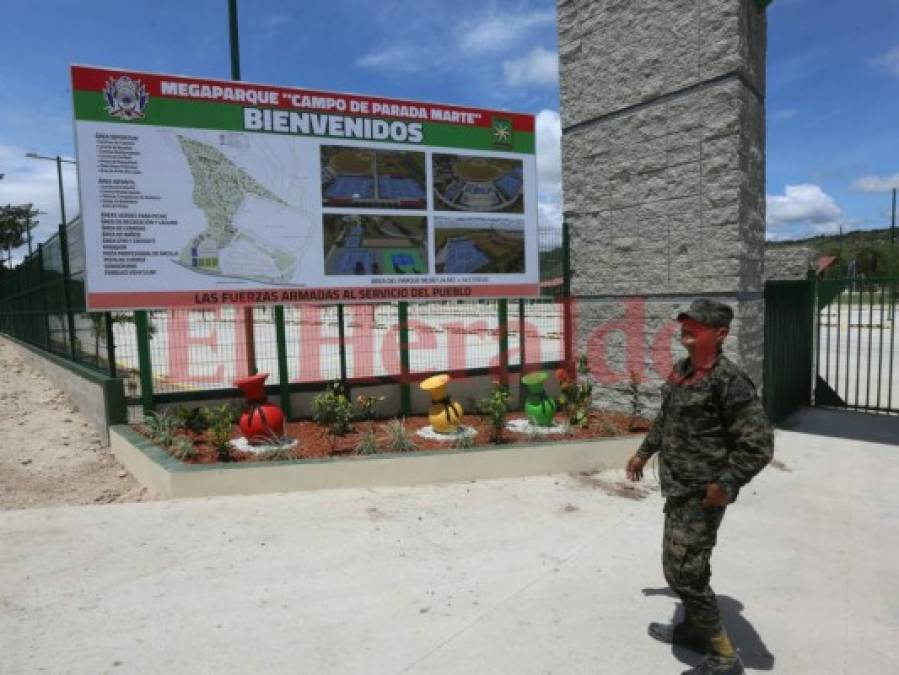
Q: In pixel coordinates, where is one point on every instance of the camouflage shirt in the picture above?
(713, 430)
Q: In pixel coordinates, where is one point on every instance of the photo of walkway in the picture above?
(469, 245)
(488, 184)
(373, 178)
(371, 245)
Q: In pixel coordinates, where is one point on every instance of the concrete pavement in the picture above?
(555, 574)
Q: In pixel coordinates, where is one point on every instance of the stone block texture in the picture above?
(789, 262)
(663, 158)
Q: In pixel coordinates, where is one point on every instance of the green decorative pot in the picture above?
(539, 407)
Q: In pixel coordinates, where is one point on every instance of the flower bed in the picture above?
(315, 440)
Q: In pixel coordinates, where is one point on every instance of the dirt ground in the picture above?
(49, 454)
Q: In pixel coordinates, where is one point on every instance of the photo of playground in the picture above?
(369, 245)
(471, 245)
(388, 179)
(463, 183)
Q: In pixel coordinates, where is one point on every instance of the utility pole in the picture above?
(893, 259)
(234, 42)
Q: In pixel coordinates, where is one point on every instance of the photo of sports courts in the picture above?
(371, 244)
(472, 245)
(490, 184)
(390, 179)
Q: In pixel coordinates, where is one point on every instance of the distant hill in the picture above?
(870, 248)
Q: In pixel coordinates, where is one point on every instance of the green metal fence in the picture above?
(172, 355)
(789, 346)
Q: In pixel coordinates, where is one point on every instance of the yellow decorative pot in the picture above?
(444, 415)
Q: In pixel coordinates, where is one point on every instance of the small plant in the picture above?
(191, 419)
(333, 410)
(495, 408)
(221, 426)
(577, 394)
(367, 444)
(366, 406)
(183, 448)
(279, 451)
(607, 427)
(162, 428)
(464, 441)
(633, 390)
(397, 438)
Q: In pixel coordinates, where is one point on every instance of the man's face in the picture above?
(701, 341)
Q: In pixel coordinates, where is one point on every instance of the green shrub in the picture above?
(221, 421)
(495, 408)
(577, 394)
(191, 419)
(333, 410)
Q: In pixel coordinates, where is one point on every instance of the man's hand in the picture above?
(715, 496)
(634, 469)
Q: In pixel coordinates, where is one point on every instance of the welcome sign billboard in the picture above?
(199, 192)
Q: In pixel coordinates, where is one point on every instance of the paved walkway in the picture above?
(542, 575)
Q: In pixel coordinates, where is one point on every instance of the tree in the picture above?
(15, 221)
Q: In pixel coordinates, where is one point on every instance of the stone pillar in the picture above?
(663, 162)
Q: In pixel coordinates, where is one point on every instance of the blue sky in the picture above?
(833, 81)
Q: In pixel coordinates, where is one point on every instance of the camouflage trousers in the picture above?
(690, 535)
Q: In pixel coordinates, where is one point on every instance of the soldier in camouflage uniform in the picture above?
(712, 436)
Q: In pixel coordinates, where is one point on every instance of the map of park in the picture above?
(227, 194)
(487, 184)
(373, 245)
(373, 178)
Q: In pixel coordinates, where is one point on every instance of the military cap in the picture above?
(708, 312)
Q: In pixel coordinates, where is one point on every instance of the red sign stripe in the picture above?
(166, 299)
(95, 79)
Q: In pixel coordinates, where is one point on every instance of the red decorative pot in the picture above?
(261, 421)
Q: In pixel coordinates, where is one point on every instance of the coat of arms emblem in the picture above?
(125, 98)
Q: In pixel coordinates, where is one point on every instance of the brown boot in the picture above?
(722, 658)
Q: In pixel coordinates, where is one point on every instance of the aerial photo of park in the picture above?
(389, 179)
(372, 244)
(473, 245)
(485, 184)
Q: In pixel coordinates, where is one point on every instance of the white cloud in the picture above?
(444, 41)
(549, 152)
(549, 168)
(889, 62)
(803, 210)
(496, 31)
(274, 21)
(539, 67)
(397, 58)
(783, 114)
(802, 204)
(35, 181)
(876, 183)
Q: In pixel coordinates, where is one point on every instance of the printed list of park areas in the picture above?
(129, 223)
